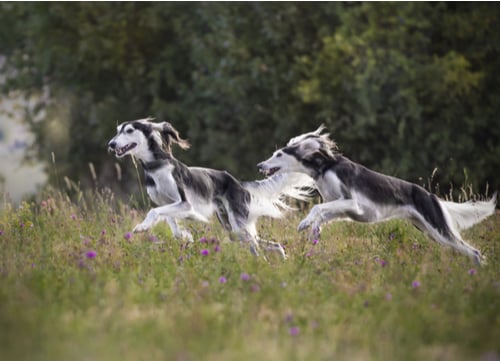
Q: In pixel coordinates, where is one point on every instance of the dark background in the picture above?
(402, 87)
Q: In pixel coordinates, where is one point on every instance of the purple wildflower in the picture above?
(73, 217)
(91, 254)
(315, 241)
(127, 236)
(205, 252)
(255, 287)
(245, 276)
(316, 231)
(294, 331)
(388, 296)
(472, 271)
(217, 248)
(415, 284)
(222, 279)
(1, 232)
(382, 262)
(203, 240)
(103, 232)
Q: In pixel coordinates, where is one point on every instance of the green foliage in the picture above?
(403, 87)
(75, 284)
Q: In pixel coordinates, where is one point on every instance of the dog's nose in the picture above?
(260, 165)
(112, 144)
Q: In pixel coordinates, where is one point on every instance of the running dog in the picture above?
(351, 191)
(183, 192)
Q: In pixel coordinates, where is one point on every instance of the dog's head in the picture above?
(145, 139)
(306, 153)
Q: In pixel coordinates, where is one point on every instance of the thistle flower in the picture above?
(222, 279)
(127, 236)
(203, 240)
(315, 241)
(204, 252)
(91, 254)
(472, 271)
(294, 331)
(415, 284)
(245, 276)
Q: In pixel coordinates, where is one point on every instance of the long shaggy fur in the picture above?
(352, 191)
(197, 193)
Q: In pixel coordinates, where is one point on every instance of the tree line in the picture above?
(403, 88)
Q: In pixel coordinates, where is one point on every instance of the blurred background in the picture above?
(404, 88)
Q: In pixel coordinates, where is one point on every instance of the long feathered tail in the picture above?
(270, 196)
(467, 214)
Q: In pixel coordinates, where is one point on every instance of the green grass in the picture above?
(149, 297)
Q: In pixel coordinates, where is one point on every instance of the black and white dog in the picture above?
(351, 191)
(183, 192)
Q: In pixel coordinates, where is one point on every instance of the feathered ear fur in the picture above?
(170, 135)
(315, 146)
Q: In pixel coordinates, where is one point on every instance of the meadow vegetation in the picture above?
(75, 284)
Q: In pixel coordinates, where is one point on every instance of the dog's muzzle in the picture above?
(120, 151)
(267, 171)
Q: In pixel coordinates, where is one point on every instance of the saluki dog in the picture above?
(183, 192)
(351, 191)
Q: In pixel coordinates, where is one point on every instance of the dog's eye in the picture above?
(278, 155)
(129, 130)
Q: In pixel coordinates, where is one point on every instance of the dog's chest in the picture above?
(330, 187)
(161, 185)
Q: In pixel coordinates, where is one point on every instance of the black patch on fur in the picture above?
(154, 165)
(209, 184)
(428, 205)
(384, 189)
(318, 162)
(238, 198)
(149, 181)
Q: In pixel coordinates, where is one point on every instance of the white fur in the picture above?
(367, 196)
(178, 196)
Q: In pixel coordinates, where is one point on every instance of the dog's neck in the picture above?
(155, 160)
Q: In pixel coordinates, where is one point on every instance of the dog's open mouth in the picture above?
(122, 150)
(270, 171)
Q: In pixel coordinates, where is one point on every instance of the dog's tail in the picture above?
(270, 196)
(467, 214)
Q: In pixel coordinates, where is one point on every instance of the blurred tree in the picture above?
(395, 78)
(402, 87)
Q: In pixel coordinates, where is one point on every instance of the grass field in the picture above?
(76, 285)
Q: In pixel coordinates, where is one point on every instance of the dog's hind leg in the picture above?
(251, 233)
(449, 238)
(272, 246)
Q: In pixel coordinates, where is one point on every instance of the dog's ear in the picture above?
(171, 135)
(315, 152)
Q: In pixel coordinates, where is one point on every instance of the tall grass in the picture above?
(75, 284)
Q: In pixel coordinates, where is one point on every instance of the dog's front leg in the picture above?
(313, 218)
(325, 212)
(177, 230)
(149, 221)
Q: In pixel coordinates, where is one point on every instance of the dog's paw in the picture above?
(141, 227)
(304, 224)
(186, 235)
